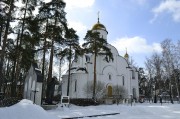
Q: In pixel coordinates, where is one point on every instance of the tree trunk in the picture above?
(49, 90)
(94, 85)
(43, 65)
(13, 89)
(49, 79)
(13, 79)
(1, 29)
(69, 73)
(4, 42)
(18, 68)
(177, 88)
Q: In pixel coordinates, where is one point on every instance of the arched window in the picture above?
(133, 74)
(109, 76)
(75, 85)
(88, 58)
(123, 82)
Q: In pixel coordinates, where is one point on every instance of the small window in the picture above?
(123, 80)
(87, 58)
(133, 74)
(75, 85)
(110, 77)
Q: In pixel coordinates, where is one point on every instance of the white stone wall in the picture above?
(118, 68)
(102, 33)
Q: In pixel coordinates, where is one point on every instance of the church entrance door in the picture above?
(109, 91)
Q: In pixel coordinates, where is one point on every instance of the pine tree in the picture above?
(71, 51)
(98, 46)
(5, 20)
(23, 44)
(53, 15)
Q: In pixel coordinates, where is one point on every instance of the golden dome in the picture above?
(126, 56)
(98, 26)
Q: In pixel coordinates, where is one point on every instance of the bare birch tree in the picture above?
(170, 61)
(100, 89)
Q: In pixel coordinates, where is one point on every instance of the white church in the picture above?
(118, 72)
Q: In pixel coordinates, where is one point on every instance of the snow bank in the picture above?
(25, 109)
(137, 111)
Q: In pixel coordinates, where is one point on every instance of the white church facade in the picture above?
(118, 72)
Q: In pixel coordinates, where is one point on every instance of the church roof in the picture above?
(98, 26)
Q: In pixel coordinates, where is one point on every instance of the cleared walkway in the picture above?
(92, 116)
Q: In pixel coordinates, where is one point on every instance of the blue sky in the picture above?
(138, 25)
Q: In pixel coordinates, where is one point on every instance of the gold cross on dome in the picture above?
(98, 16)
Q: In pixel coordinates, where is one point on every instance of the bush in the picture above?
(57, 98)
(84, 102)
(6, 102)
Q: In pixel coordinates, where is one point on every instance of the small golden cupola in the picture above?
(126, 56)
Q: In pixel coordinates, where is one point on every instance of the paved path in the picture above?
(92, 116)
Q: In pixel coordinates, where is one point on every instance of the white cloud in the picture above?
(136, 45)
(78, 26)
(79, 3)
(168, 6)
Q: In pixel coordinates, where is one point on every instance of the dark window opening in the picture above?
(123, 80)
(75, 86)
(110, 77)
(133, 75)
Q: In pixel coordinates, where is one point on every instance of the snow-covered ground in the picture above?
(25, 109)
